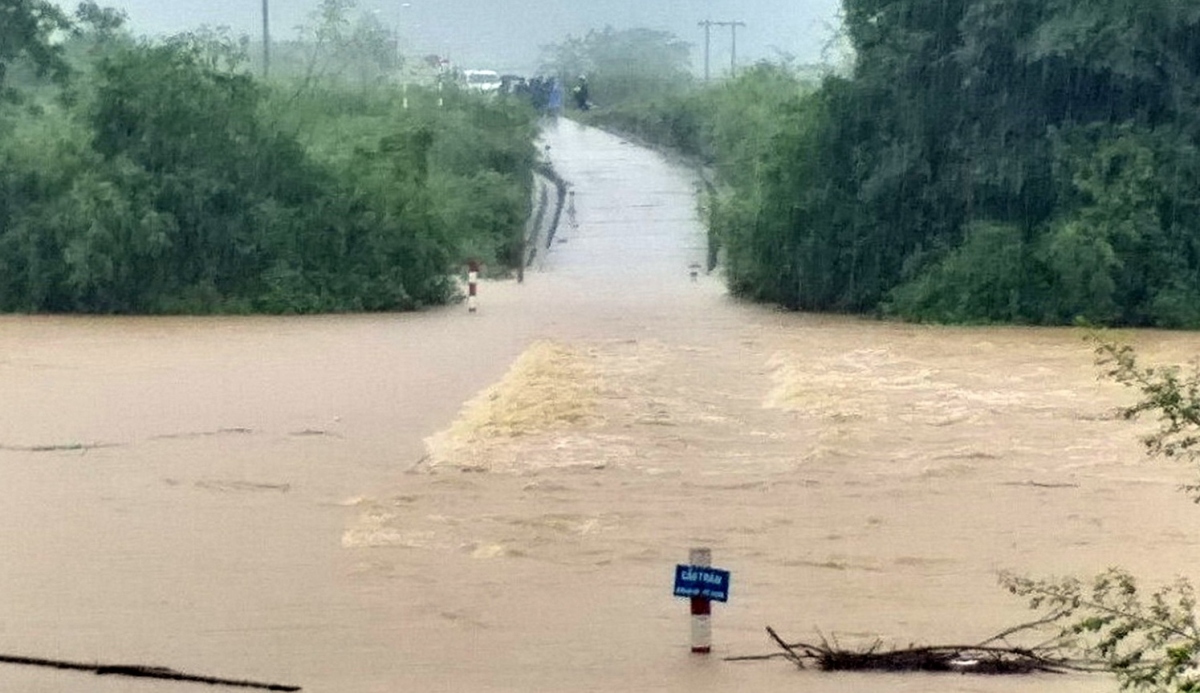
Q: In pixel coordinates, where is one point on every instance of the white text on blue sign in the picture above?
(702, 582)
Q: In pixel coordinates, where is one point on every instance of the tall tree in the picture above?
(27, 31)
(622, 64)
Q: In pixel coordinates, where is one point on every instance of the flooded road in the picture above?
(444, 502)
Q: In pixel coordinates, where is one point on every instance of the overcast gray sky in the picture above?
(507, 34)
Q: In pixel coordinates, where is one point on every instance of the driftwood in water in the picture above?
(141, 671)
(987, 657)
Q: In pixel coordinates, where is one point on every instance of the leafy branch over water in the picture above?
(1150, 642)
(1174, 397)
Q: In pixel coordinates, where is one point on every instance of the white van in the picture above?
(487, 81)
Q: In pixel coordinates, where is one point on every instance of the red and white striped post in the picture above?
(701, 607)
(472, 280)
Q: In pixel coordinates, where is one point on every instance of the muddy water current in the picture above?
(447, 502)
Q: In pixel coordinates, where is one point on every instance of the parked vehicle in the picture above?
(487, 81)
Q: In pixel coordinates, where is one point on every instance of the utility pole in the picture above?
(733, 26)
(708, 24)
(266, 38)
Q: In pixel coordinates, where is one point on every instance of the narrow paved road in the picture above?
(638, 228)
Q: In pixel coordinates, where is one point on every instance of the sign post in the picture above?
(702, 584)
(472, 280)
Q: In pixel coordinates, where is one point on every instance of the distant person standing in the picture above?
(581, 94)
(554, 103)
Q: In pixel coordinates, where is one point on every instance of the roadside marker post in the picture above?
(702, 584)
(472, 282)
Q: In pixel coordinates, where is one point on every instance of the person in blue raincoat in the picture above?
(555, 103)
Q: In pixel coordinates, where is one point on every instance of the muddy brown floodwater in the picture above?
(445, 502)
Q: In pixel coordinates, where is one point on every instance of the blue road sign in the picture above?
(702, 581)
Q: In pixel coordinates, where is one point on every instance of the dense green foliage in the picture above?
(27, 30)
(168, 179)
(985, 160)
(1006, 161)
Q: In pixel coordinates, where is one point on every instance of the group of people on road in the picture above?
(548, 96)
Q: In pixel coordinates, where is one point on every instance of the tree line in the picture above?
(162, 176)
(1030, 161)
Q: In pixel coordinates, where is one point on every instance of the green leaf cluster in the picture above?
(1168, 393)
(1151, 643)
(27, 40)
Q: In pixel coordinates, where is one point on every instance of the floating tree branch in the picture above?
(142, 671)
(985, 657)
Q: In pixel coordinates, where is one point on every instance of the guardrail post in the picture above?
(701, 607)
(472, 279)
